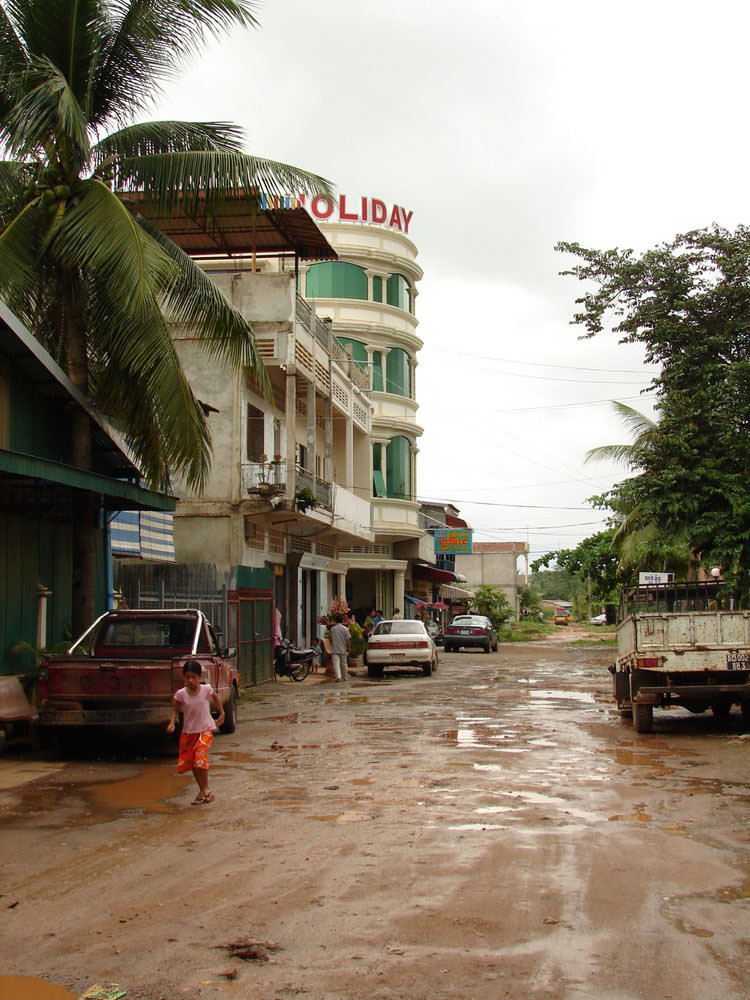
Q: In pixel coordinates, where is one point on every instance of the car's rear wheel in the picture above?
(448, 647)
(374, 670)
(488, 646)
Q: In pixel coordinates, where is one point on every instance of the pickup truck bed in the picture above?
(681, 644)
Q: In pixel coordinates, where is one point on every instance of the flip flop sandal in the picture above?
(198, 801)
(208, 797)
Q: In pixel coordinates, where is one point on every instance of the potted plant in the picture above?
(357, 644)
(305, 498)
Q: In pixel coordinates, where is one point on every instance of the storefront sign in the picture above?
(325, 208)
(453, 540)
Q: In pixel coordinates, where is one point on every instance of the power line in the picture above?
(544, 364)
(565, 406)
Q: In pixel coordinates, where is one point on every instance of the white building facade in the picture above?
(369, 295)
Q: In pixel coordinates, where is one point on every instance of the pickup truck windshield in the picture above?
(154, 633)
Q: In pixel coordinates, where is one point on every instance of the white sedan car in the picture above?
(401, 642)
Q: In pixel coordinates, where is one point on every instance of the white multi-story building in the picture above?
(369, 295)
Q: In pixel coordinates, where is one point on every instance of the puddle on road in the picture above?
(146, 792)
(27, 988)
(547, 694)
(478, 826)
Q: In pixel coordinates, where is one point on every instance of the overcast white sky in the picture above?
(505, 127)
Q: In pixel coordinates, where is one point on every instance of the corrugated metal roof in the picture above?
(235, 227)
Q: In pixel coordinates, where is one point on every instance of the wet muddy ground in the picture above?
(493, 831)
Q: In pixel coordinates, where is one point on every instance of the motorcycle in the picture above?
(288, 661)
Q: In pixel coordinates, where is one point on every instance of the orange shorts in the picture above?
(194, 751)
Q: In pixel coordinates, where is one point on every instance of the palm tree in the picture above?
(638, 539)
(639, 425)
(93, 280)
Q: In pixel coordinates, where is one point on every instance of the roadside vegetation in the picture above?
(684, 504)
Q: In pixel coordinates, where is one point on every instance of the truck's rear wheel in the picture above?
(643, 718)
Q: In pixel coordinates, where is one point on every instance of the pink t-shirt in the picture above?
(196, 709)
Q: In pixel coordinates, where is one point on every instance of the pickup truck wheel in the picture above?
(643, 718)
(721, 709)
(230, 714)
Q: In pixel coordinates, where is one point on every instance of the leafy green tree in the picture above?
(551, 584)
(688, 303)
(492, 602)
(89, 276)
(530, 598)
(592, 565)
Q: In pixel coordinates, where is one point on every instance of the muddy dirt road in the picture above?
(493, 831)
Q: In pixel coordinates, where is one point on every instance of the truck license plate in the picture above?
(737, 659)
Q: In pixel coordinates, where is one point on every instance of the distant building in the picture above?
(496, 564)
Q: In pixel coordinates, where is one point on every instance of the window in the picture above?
(255, 433)
(397, 372)
(377, 371)
(398, 468)
(397, 292)
(336, 280)
(359, 354)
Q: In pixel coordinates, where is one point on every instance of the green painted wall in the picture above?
(32, 552)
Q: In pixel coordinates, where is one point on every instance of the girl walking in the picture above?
(194, 702)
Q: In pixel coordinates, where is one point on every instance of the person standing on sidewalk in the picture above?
(341, 644)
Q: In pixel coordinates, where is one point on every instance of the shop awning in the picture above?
(426, 572)
(456, 593)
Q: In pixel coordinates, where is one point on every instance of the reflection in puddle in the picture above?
(583, 696)
(26, 988)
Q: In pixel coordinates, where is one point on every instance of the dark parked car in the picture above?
(470, 631)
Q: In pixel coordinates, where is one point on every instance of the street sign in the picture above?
(653, 579)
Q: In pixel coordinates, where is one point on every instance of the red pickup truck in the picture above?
(125, 669)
